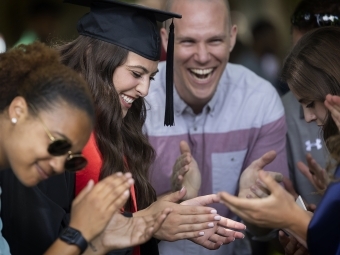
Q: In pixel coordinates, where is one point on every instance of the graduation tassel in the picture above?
(169, 100)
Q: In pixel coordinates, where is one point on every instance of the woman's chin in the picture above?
(27, 181)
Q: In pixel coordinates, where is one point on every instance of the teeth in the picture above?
(127, 99)
(202, 71)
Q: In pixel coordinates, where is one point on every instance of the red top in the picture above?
(92, 171)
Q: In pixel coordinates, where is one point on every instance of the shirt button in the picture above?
(195, 128)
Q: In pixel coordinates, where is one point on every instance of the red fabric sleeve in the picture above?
(92, 170)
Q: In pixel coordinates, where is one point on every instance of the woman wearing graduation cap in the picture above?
(117, 52)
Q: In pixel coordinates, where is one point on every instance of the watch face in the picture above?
(74, 237)
(70, 234)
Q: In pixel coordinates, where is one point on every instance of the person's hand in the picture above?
(249, 185)
(333, 105)
(278, 210)
(122, 232)
(222, 233)
(287, 183)
(314, 173)
(186, 173)
(184, 221)
(95, 205)
(291, 245)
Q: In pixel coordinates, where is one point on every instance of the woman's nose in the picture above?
(58, 164)
(143, 88)
(309, 115)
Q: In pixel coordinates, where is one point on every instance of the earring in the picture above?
(14, 120)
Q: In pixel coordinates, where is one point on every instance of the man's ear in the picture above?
(164, 37)
(18, 108)
(233, 36)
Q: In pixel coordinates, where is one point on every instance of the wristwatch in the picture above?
(73, 236)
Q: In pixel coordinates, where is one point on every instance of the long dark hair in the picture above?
(122, 144)
(312, 69)
(35, 73)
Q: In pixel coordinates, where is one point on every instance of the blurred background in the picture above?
(59, 20)
(263, 28)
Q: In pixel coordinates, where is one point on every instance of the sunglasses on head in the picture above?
(59, 147)
(303, 19)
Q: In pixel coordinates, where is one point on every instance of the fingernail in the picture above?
(126, 193)
(119, 173)
(181, 190)
(213, 211)
(201, 233)
(131, 181)
(128, 175)
(210, 225)
(217, 217)
(243, 236)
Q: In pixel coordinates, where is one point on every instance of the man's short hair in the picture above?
(169, 3)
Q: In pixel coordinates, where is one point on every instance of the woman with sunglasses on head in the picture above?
(312, 73)
(46, 117)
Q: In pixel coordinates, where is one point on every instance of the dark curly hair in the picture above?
(35, 73)
(121, 142)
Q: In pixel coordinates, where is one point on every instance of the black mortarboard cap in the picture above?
(133, 27)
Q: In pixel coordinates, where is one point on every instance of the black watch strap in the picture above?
(73, 236)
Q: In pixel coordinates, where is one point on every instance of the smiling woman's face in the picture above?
(132, 79)
(26, 142)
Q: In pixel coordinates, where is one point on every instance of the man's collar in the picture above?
(180, 106)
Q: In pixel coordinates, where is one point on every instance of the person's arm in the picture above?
(60, 247)
(184, 221)
(316, 174)
(332, 103)
(224, 232)
(291, 245)
(278, 210)
(250, 188)
(193, 220)
(126, 231)
(91, 211)
(186, 173)
(271, 137)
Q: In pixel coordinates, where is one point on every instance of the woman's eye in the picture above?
(136, 75)
(310, 105)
